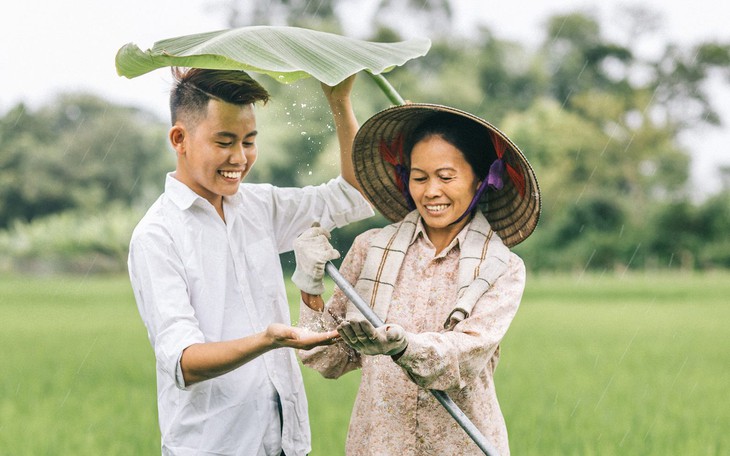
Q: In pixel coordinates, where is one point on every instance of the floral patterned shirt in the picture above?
(394, 413)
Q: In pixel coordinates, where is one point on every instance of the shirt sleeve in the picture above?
(452, 359)
(335, 360)
(334, 205)
(160, 289)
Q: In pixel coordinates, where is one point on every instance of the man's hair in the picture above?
(195, 87)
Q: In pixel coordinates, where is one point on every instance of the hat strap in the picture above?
(474, 201)
(494, 177)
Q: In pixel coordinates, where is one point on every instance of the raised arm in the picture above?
(346, 124)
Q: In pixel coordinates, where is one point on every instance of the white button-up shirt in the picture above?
(197, 279)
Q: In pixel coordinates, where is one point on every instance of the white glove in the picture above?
(311, 251)
(360, 334)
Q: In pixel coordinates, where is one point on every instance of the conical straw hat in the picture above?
(512, 211)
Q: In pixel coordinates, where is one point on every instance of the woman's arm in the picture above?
(335, 360)
(449, 360)
(338, 98)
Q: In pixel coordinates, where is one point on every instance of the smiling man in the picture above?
(204, 267)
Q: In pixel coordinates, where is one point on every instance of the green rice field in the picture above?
(637, 364)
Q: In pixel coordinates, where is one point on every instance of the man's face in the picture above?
(218, 152)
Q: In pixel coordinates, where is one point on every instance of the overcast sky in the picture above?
(48, 47)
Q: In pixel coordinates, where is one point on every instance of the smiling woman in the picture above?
(442, 184)
(442, 279)
(449, 159)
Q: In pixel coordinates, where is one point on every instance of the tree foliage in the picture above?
(78, 152)
(599, 121)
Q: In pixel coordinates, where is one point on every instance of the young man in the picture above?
(204, 266)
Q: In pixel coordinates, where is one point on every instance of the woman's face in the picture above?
(442, 184)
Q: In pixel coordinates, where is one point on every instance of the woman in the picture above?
(442, 278)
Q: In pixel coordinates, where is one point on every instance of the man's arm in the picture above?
(346, 124)
(209, 360)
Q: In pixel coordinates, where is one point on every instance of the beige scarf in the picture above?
(483, 259)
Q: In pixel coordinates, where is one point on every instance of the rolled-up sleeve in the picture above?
(332, 361)
(336, 360)
(452, 359)
(158, 281)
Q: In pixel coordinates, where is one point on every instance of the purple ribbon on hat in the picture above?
(496, 171)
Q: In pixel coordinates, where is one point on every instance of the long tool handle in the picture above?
(441, 396)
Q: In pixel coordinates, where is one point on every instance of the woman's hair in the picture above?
(194, 87)
(472, 139)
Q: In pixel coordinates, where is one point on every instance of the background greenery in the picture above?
(592, 365)
(600, 119)
(620, 345)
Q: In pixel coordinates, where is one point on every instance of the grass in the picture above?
(633, 364)
(608, 366)
(78, 373)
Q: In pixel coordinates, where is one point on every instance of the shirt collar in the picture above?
(180, 194)
(418, 231)
(184, 197)
(458, 240)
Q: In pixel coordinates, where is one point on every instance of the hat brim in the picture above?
(512, 212)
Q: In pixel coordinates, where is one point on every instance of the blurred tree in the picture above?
(580, 60)
(638, 108)
(676, 234)
(599, 121)
(713, 223)
(327, 15)
(319, 14)
(293, 130)
(79, 151)
(644, 104)
(510, 77)
(679, 83)
(403, 16)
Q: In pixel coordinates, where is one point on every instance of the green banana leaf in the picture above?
(287, 54)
